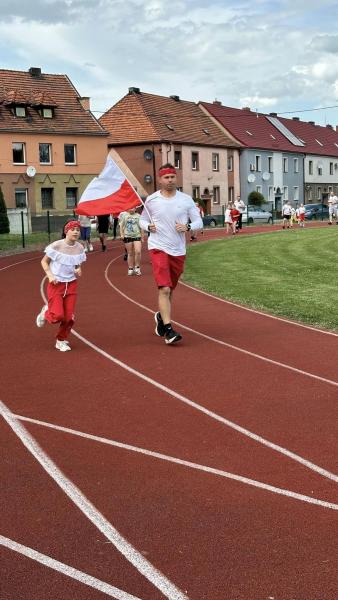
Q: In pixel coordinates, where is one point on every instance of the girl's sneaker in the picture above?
(40, 319)
(91, 248)
(130, 271)
(62, 345)
(137, 271)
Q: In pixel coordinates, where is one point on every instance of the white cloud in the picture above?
(263, 54)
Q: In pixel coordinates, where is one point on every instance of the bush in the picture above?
(256, 199)
(4, 221)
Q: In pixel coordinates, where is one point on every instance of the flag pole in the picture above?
(136, 192)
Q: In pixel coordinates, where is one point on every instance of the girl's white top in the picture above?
(64, 259)
(165, 213)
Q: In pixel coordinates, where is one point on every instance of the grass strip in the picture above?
(292, 273)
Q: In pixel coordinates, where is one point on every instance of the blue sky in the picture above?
(275, 56)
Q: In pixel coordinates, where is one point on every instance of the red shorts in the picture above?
(301, 217)
(166, 268)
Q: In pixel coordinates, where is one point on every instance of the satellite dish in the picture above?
(30, 171)
(251, 178)
(266, 176)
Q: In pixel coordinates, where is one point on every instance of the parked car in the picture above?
(254, 214)
(212, 220)
(316, 211)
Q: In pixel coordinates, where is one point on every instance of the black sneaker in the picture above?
(159, 329)
(171, 336)
(125, 256)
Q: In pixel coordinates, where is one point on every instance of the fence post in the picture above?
(48, 225)
(22, 229)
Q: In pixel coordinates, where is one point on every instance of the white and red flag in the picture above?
(108, 193)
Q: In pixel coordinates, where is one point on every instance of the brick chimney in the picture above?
(218, 102)
(85, 102)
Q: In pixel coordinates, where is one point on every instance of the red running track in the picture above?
(205, 471)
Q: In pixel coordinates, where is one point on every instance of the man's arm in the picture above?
(195, 217)
(145, 222)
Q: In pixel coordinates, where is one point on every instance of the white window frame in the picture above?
(195, 162)
(310, 167)
(24, 153)
(296, 165)
(331, 168)
(50, 153)
(20, 191)
(177, 163)
(285, 193)
(216, 195)
(258, 162)
(75, 154)
(22, 109)
(196, 192)
(47, 113)
(259, 189)
(285, 165)
(296, 193)
(270, 164)
(230, 163)
(215, 161)
(270, 193)
(319, 193)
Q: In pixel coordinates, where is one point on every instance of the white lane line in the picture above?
(185, 463)
(220, 342)
(67, 570)
(306, 463)
(257, 312)
(168, 589)
(18, 263)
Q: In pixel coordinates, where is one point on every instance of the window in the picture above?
(195, 191)
(230, 163)
(286, 192)
(331, 168)
(310, 193)
(258, 163)
(194, 161)
(319, 193)
(295, 165)
(285, 165)
(310, 167)
(20, 197)
(270, 193)
(20, 111)
(270, 164)
(231, 194)
(70, 154)
(45, 154)
(215, 161)
(320, 170)
(47, 113)
(71, 197)
(18, 150)
(47, 198)
(296, 193)
(216, 198)
(259, 189)
(178, 159)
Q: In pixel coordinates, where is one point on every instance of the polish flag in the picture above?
(108, 193)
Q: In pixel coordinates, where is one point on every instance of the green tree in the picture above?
(256, 199)
(4, 221)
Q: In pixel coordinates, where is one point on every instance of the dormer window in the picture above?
(20, 111)
(47, 113)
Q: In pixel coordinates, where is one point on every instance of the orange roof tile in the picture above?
(45, 90)
(142, 117)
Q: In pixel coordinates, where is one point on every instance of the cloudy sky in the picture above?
(275, 55)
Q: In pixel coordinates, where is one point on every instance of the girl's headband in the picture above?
(71, 225)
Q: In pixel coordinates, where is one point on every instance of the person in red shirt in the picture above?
(235, 214)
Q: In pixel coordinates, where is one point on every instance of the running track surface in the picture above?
(205, 471)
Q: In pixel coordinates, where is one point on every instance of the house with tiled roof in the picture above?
(51, 144)
(147, 130)
(321, 158)
(278, 154)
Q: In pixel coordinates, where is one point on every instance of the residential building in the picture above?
(51, 144)
(284, 159)
(147, 131)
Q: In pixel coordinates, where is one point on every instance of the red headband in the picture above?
(71, 225)
(167, 171)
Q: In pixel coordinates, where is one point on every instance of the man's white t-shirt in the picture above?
(287, 209)
(165, 212)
